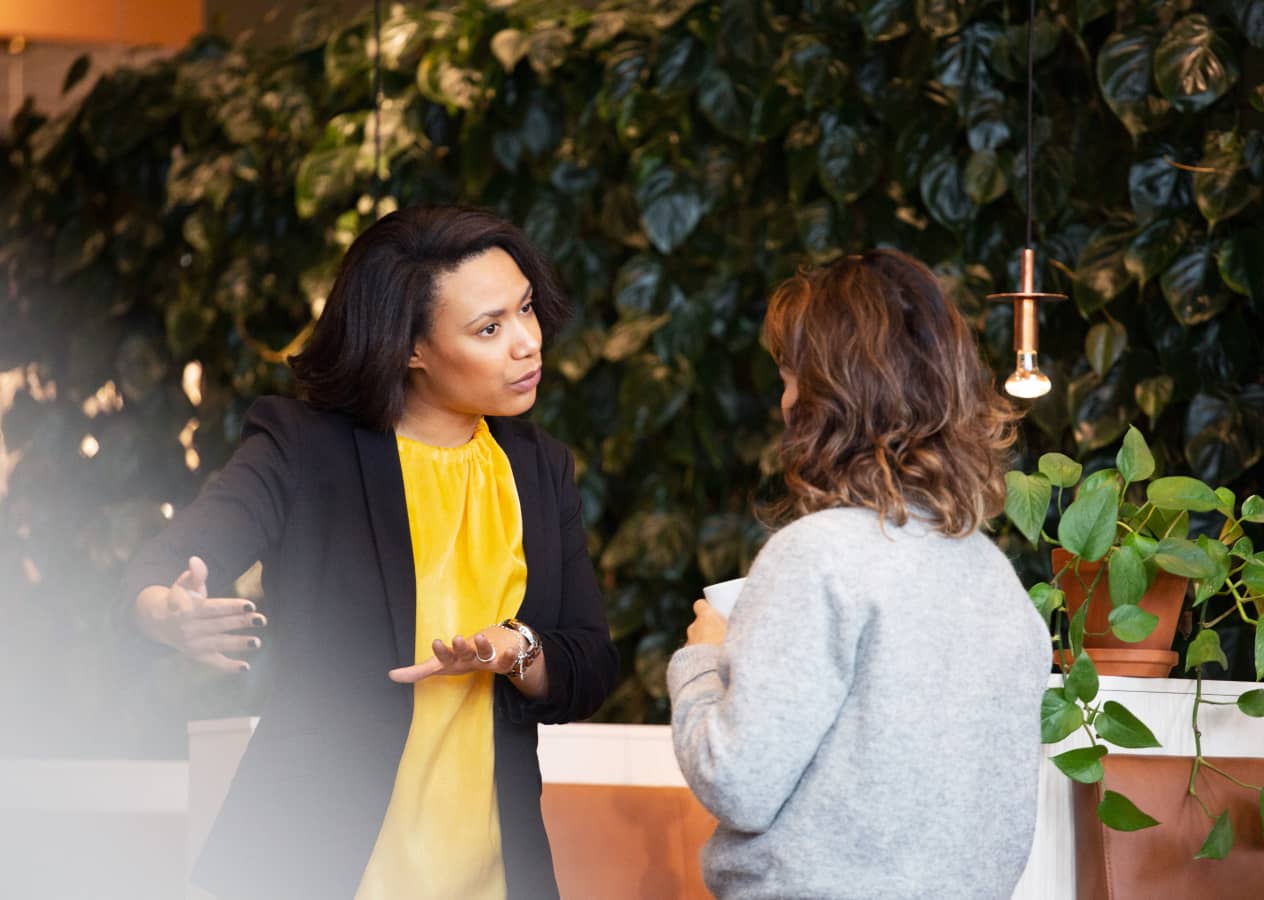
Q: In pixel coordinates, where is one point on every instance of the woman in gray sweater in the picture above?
(867, 723)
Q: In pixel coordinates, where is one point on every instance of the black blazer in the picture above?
(321, 502)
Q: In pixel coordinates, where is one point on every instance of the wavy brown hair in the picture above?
(896, 411)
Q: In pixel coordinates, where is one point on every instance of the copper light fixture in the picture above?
(1027, 381)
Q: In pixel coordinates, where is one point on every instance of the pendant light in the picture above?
(1027, 381)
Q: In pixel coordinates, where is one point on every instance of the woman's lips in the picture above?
(526, 383)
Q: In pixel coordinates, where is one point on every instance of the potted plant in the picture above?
(1120, 539)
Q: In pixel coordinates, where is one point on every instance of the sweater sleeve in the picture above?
(749, 716)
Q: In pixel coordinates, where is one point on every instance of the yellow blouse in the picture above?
(441, 834)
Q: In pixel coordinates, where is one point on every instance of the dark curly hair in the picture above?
(896, 411)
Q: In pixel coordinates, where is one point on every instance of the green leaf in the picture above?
(1046, 598)
(943, 191)
(1252, 703)
(1123, 72)
(1059, 717)
(1100, 274)
(1220, 184)
(1027, 502)
(985, 179)
(1253, 508)
(1088, 526)
(1083, 764)
(1127, 575)
(1075, 630)
(1207, 587)
(847, 160)
(326, 178)
(1253, 576)
(1081, 681)
(638, 285)
(1185, 558)
(1154, 394)
(1134, 460)
(719, 101)
(1242, 548)
(671, 207)
(1108, 479)
(1205, 648)
(1118, 812)
(1182, 492)
(1193, 66)
(1132, 623)
(1249, 15)
(1091, 10)
(1219, 840)
(1119, 726)
(1104, 344)
(1153, 249)
(1241, 261)
(1060, 469)
(1190, 289)
(1228, 501)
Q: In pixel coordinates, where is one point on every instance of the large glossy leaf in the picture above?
(984, 178)
(1060, 469)
(1104, 344)
(1191, 286)
(940, 17)
(1157, 187)
(847, 160)
(1087, 528)
(1241, 262)
(721, 103)
(1123, 73)
(944, 193)
(671, 206)
(1205, 648)
(1193, 65)
(1059, 717)
(1027, 502)
(1101, 275)
(1081, 682)
(1154, 394)
(1220, 184)
(1134, 460)
(1219, 840)
(1127, 575)
(1218, 445)
(1153, 249)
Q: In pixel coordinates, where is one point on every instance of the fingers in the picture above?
(413, 674)
(214, 607)
(223, 643)
(443, 653)
(196, 626)
(702, 607)
(222, 663)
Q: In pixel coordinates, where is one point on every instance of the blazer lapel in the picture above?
(524, 462)
(388, 513)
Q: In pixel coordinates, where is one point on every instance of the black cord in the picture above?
(1031, 56)
(377, 106)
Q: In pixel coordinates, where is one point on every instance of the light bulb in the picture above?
(1027, 381)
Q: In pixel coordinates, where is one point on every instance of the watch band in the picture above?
(527, 655)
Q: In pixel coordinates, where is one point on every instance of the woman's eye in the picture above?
(528, 307)
(489, 329)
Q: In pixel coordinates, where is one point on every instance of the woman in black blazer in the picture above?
(434, 325)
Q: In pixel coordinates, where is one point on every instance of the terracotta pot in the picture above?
(1150, 658)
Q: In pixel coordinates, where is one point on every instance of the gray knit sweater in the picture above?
(871, 726)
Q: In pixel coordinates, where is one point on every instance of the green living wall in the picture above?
(676, 159)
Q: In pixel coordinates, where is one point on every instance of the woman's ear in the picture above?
(417, 359)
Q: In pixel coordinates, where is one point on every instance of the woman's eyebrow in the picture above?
(497, 313)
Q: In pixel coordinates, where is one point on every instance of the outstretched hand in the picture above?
(494, 649)
(201, 627)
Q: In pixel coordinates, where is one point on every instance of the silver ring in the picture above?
(489, 659)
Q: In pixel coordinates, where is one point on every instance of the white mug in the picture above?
(723, 595)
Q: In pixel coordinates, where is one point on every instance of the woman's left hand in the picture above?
(708, 627)
(494, 649)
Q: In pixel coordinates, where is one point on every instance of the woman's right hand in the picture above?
(183, 617)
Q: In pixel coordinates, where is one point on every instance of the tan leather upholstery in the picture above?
(1158, 862)
(620, 843)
